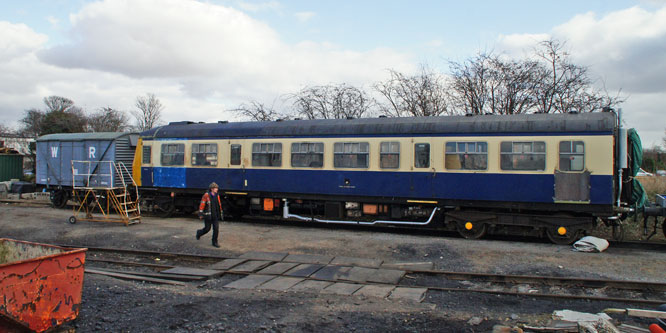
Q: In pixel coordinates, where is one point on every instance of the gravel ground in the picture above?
(123, 306)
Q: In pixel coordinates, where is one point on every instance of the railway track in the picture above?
(602, 290)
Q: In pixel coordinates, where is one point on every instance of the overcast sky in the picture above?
(201, 58)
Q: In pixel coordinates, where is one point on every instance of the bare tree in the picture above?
(149, 112)
(4, 129)
(107, 119)
(32, 122)
(332, 102)
(515, 82)
(259, 111)
(490, 84)
(493, 84)
(563, 86)
(469, 83)
(422, 94)
(58, 103)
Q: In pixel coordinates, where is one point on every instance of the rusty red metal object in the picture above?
(40, 284)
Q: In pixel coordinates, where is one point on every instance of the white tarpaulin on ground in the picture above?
(591, 244)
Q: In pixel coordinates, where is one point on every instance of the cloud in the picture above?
(626, 49)
(199, 59)
(17, 39)
(434, 43)
(25, 81)
(53, 21)
(304, 16)
(261, 6)
(627, 46)
(207, 48)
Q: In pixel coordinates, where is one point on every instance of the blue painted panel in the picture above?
(417, 185)
(67, 153)
(225, 178)
(170, 177)
(601, 189)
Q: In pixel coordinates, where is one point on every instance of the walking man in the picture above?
(210, 210)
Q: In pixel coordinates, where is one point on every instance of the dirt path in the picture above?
(116, 305)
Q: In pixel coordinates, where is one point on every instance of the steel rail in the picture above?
(549, 280)
(501, 278)
(437, 288)
(451, 275)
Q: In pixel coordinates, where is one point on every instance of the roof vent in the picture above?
(222, 121)
(573, 111)
(607, 109)
(279, 119)
(350, 118)
(181, 122)
(297, 118)
(469, 114)
(382, 116)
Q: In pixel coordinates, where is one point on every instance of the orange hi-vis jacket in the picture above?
(204, 206)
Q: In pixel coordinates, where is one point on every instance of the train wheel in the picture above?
(563, 236)
(471, 230)
(59, 199)
(165, 209)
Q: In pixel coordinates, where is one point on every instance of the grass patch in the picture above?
(653, 185)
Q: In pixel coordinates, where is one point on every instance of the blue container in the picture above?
(86, 155)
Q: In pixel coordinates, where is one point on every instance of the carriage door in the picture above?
(236, 177)
(572, 179)
(422, 182)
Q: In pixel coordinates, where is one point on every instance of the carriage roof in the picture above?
(521, 124)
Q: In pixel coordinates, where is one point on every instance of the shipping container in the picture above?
(55, 153)
(11, 167)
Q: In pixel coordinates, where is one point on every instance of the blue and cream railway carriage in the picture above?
(552, 173)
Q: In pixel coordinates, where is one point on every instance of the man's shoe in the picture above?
(198, 236)
(216, 245)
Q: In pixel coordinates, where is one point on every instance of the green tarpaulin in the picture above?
(638, 197)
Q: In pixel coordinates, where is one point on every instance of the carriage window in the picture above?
(466, 155)
(389, 155)
(235, 158)
(572, 155)
(307, 154)
(267, 154)
(422, 155)
(173, 154)
(523, 155)
(350, 154)
(204, 154)
(146, 154)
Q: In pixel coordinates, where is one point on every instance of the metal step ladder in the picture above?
(106, 187)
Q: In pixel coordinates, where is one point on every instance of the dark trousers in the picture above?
(206, 228)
